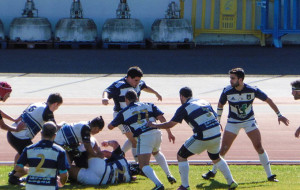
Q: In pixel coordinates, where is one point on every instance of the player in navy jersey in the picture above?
(45, 160)
(5, 91)
(296, 93)
(33, 117)
(135, 116)
(71, 135)
(117, 91)
(207, 136)
(240, 97)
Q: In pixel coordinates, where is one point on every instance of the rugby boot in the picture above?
(159, 187)
(184, 188)
(11, 173)
(171, 179)
(14, 180)
(208, 175)
(273, 178)
(233, 185)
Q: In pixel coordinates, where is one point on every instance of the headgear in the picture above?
(4, 89)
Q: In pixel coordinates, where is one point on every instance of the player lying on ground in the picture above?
(115, 169)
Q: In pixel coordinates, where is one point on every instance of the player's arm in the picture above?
(281, 118)
(4, 115)
(6, 127)
(151, 90)
(166, 125)
(105, 98)
(171, 137)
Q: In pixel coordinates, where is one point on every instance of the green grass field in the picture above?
(248, 177)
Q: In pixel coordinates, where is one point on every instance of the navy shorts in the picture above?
(16, 143)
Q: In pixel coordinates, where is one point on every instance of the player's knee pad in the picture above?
(213, 156)
(184, 152)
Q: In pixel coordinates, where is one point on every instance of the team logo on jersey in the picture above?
(248, 96)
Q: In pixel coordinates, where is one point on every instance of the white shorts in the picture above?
(149, 142)
(236, 127)
(124, 128)
(197, 146)
(93, 174)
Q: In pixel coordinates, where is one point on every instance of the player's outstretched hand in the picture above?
(104, 143)
(159, 97)
(283, 120)
(150, 124)
(297, 133)
(171, 138)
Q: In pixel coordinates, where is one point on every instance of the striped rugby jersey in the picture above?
(201, 117)
(118, 89)
(35, 115)
(45, 161)
(136, 115)
(240, 102)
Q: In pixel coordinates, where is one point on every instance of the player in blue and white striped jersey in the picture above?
(136, 115)
(207, 136)
(33, 118)
(46, 160)
(71, 135)
(240, 97)
(115, 169)
(117, 91)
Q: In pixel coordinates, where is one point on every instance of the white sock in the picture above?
(214, 169)
(264, 160)
(133, 150)
(126, 146)
(161, 160)
(150, 173)
(184, 173)
(223, 167)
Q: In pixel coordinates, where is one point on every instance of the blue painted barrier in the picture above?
(286, 18)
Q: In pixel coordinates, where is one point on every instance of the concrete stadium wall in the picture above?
(98, 10)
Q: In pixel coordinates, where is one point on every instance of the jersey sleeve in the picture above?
(223, 98)
(260, 95)
(111, 90)
(118, 120)
(48, 115)
(179, 115)
(143, 85)
(86, 134)
(23, 160)
(62, 162)
(156, 111)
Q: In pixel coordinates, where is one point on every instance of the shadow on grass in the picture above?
(79, 186)
(217, 185)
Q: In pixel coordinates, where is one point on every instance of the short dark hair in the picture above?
(186, 92)
(239, 72)
(49, 129)
(55, 98)
(296, 84)
(97, 122)
(134, 71)
(131, 96)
